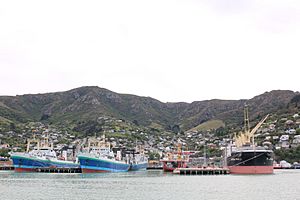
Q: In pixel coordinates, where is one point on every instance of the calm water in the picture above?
(284, 184)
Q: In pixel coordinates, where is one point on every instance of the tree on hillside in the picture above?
(176, 129)
(296, 100)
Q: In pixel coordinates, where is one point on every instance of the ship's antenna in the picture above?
(246, 119)
(204, 154)
(136, 147)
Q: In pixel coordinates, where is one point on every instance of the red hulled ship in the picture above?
(247, 158)
(175, 160)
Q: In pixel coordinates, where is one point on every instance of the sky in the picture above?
(171, 50)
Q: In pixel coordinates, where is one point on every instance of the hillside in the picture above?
(208, 125)
(89, 103)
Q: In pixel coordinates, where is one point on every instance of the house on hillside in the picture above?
(289, 123)
(290, 131)
(284, 141)
(4, 146)
(285, 144)
(267, 143)
(284, 138)
(267, 137)
(296, 141)
(298, 123)
(272, 127)
(263, 130)
(16, 149)
(275, 138)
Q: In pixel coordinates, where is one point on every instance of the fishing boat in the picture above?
(170, 164)
(175, 160)
(245, 157)
(40, 157)
(99, 158)
(138, 160)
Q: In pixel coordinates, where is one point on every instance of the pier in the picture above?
(58, 170)
(154, 165)
(155, 168)
(7, 167)
(201, 171)
(46, 169)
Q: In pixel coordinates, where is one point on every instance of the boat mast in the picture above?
(37, 141)
(247, 137)
(247, 123)
(204, 155)
(179, 150)
(246, 119)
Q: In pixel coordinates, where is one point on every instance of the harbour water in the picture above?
(283, 184)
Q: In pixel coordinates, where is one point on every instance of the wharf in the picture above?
(201, 171)
(6, 167)
(46, 170)
(155, 168)
(58, 170)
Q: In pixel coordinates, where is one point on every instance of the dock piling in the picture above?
(201, 171)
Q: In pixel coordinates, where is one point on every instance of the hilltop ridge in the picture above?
(90, 102)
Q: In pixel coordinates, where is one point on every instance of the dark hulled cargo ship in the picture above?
(244, 157)
(247, 160)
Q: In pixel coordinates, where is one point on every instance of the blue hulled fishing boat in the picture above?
(39, 157)
(138, 160)
(101, 158)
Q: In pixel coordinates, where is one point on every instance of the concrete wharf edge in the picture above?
(202, 171)
(7, 167)
(47, 170)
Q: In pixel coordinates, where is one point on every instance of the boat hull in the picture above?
(86, 170)
(22, 169)
(251, 169)
(24, 163)
(140, 166)
(168, 169)
(101, 165)
(251, 162)
(171, 165)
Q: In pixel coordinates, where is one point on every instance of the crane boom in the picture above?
(258, 125)
(245, 137)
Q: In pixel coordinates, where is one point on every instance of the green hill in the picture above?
(89, 103)
(209, 125)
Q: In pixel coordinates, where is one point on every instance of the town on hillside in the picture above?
(281, 134)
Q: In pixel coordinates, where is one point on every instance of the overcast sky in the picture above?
(177, 50)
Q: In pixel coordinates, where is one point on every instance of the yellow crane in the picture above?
(244, 138)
